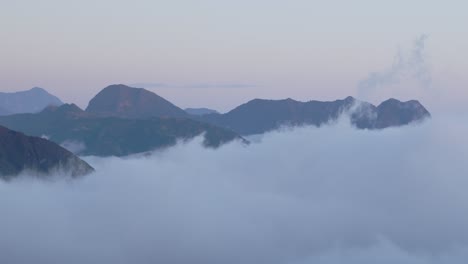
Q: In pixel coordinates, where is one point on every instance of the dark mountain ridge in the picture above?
(393, 112)
(114, 136)
(259, 116)
(36, 155)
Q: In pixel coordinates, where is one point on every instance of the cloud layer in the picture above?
(308, 195)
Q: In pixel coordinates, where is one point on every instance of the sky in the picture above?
(400, 199)
(219, 54)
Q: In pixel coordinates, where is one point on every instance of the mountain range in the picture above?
(38, 156)
(260, 116)
(122, 120)
(30, 101)
(113, 136)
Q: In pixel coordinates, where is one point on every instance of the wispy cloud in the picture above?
(408, 65)
(154, 85)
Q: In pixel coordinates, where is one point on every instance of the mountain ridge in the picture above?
(262, 115)
(115, 136)
(20, 153)
(121, 120)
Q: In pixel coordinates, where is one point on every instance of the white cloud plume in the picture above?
(409, 67)
(309, 195)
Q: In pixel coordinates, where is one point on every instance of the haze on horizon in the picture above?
(220, 54)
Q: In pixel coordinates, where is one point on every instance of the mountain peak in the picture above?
(129, 102)
(67, 109)
(122, 87)
(33, 100)
(391, 101)
(38, 89)
(394, 112)
(71, 108)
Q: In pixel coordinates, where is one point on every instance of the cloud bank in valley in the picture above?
(307, 195)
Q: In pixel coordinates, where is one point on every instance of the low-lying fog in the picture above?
(309, 195)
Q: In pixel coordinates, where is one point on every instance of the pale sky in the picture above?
(219, 54)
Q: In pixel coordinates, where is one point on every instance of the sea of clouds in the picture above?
(307, 195)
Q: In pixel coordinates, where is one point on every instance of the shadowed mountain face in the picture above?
(36, 155)
(200, 111)
(31, 101)
(123, 101)
(395, 113)
(111, 136)
(259, 116)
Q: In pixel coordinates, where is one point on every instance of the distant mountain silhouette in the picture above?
(36, 155)
(200, 111)
(128, 102)
(259, 116)
(113, 136)
(30, 101)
